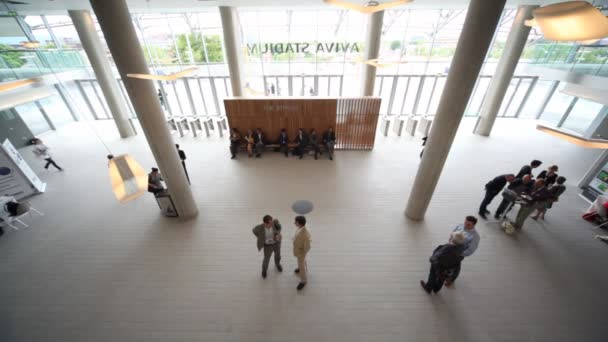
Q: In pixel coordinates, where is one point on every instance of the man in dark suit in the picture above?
(182, 157)
(329, 140)
(284, 142)
(314, 142)
(527, 169)
(518, 186)
(268, 235)
(258, 139)
(493, 188)
(302, 141)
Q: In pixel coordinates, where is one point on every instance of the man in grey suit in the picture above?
(269, 238)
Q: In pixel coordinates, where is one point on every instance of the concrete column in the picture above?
(115, 21)
(479, 26)
(516, 41)
(103, 71)
(372, 48)
(232, 46)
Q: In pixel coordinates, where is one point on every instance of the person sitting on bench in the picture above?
(302, 141)
(314, 142)
(250, 140)
(283, 142)
(154, 182)
(259, 142)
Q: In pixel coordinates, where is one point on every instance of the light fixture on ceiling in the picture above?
(33, 44)
(170, 77)
(378, 63)
(6, 86)
(368, 7)
(573, 138)
(570, 21)
(128, 179)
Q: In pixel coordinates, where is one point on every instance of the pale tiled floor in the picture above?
(95, 270)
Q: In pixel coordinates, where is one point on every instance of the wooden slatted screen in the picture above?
(354, 120)
(357, 122)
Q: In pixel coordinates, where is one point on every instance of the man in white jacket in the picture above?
(301, 246)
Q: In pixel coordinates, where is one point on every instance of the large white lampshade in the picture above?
(571, 21)
(129, 180)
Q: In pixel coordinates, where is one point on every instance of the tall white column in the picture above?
(103, 71)
(372, 48)
(516, 41)
(115, 21)
(232, 46)
(479, 26)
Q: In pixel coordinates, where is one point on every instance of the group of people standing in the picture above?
(269, 238)
(256, 142)
(533, 194)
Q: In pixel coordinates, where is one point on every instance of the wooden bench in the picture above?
(290, 147)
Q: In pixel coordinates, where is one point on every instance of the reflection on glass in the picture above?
(557, 106)
(33, 118)
(582, 115)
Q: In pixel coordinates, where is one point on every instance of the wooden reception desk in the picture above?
(353, 119)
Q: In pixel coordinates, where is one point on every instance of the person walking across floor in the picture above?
(556, 190)
(182, 157)
(329, 140)
(444, 262)
(314, 142)
(42, 151)
(549, 175)
(235, 140)
(302, 142)
(268, 235)
(284, 142)
(493, 188)
(301, 247)
(517, 187)
(470, 244)
(527, 169)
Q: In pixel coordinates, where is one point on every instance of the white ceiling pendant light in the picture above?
(368, 7)
(129, 180)
(571, 21)
(170, 77)
(379, 63)
(34, 44)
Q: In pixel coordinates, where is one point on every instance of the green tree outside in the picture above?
(213, 44)
(13, 58)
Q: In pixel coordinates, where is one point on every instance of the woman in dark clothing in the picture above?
(555, 190)
(549, 175)
(444, 262)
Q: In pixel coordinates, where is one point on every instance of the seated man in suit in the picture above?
(329, 140)
(314, 142)
(258, 139)
(283, 142)
(302, 141)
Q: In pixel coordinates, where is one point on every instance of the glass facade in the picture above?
(296, 52)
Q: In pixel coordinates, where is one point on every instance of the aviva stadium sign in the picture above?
(278, 48)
